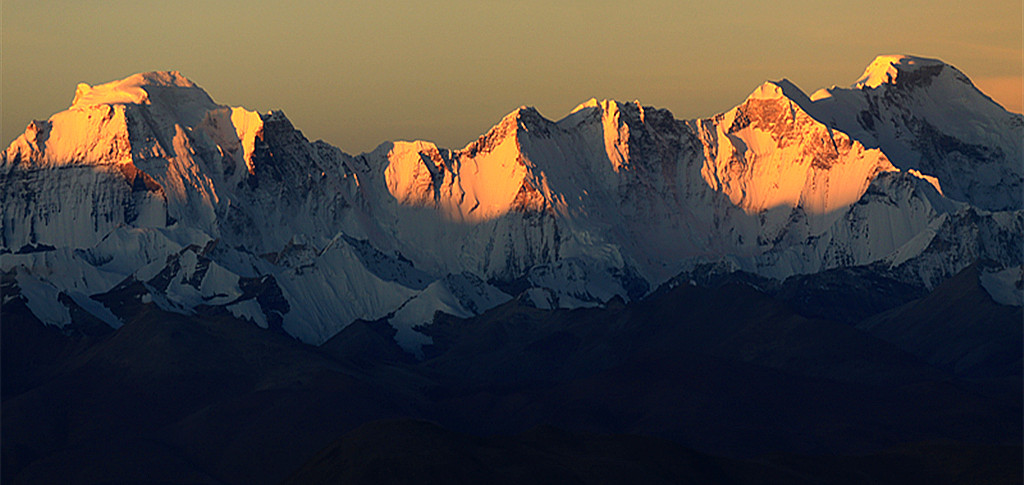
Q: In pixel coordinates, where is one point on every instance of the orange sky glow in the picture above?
(358, 74)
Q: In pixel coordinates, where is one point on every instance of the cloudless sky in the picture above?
(356, 74)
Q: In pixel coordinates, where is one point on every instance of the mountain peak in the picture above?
(781, 89)
(523, 118)
(590, 103)
(527, 114)
(606, 105)
(613, 112)
(130, 90)
(888, 68)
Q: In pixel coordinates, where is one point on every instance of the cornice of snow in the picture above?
(887, 69)
(907, 72)
(132, 89)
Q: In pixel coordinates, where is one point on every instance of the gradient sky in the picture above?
(356, 74)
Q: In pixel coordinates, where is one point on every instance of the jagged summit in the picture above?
(606, 106)
(522, 118)
(526, 117)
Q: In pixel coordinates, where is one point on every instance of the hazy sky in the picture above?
(359, 73)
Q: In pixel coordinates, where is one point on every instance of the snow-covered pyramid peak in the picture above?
(771, 153)
(783, 88)
(523, 118)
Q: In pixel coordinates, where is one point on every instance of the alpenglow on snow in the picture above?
(147, 189)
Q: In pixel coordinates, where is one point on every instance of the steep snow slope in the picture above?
(146, 189)
(927, 115)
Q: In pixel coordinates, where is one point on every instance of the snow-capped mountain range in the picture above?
(147, 189)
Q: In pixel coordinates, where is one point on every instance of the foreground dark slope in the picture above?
(405, 451)
(959, 327)
(730, 372)
(221, 396)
